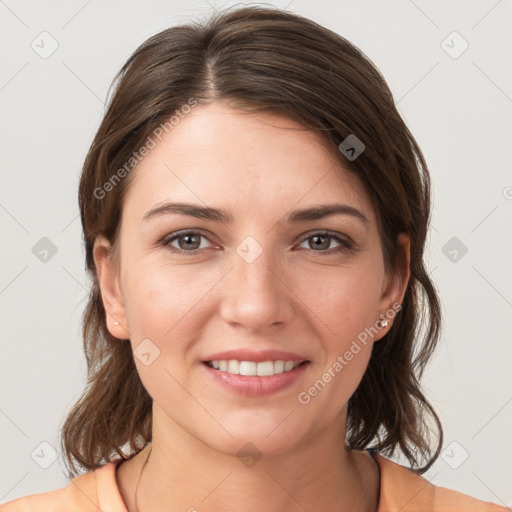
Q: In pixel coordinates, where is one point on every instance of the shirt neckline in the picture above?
(109, 495)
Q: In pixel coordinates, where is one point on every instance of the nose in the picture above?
(257, 295)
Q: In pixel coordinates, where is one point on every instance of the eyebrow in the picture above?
(220, 215)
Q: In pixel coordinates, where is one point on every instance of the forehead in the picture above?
(249, 162)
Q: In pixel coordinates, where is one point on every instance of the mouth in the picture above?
(253, 368)
(256, 379)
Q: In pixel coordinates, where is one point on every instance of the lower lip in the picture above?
(253, 385)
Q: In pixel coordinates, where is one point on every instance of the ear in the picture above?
(110, 290)
(395, 287)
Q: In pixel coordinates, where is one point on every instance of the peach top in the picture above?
(401, 490)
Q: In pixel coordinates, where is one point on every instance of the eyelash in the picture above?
(345, 244)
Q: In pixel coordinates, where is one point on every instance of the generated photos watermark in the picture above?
(304, 397)
(149, 144)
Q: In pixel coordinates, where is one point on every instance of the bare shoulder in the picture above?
(78, 496)
(451, 500)
(406, 491)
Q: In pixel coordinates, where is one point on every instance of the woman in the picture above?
(254, 213)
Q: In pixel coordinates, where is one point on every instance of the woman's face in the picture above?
(265, 283)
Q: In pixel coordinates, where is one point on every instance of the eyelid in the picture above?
(326, 232)
(346, 242)
(167, 239)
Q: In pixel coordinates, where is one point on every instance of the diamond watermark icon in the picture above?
(146, 352)
(454, 45)
(249, 249)
(454, 455)
(44, 45)
(44, 455)
(454, 249)
(249, 455)
(44, 250)
(351, 147)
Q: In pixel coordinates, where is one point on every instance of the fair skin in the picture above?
(292, 297)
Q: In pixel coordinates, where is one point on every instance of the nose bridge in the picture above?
(256, 271)
(255, 268)
(256, 295)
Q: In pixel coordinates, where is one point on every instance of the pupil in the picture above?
(319, 237)
(188, 239)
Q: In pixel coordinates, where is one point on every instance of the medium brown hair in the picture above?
(263, 59)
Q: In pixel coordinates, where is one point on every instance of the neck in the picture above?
(183, 473)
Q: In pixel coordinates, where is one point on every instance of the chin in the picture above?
(253, 446)
(268, 435)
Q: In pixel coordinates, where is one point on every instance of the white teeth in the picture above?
(262, 369)
(288, 366)
(265, 368)
(233, 366)
(278, 366)
(248, 368)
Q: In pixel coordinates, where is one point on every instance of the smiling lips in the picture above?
(261, 369)
(247, 362)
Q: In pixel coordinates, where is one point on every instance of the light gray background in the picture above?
(459, 109)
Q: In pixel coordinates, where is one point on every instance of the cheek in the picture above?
(345, 304)
(335, 377)
(345, 299)
(159, 299)
(162, 304)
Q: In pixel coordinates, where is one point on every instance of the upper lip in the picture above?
(256, 356)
